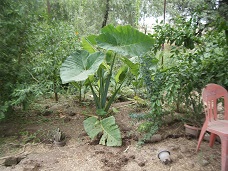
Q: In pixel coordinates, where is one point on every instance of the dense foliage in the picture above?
(195, 56)
(36, 36)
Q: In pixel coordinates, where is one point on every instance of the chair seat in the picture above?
(219, 127)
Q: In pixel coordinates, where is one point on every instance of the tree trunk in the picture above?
(106, 14)
(223, 11)
(163, 45)
(55, 91)
(48, 8)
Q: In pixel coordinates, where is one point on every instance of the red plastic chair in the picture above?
(210, 95)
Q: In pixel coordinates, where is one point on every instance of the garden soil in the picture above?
(27, 144)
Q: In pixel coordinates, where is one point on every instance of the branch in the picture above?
(32, 75)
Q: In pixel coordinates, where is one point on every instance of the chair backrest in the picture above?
(210, 95)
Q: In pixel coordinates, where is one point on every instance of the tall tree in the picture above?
(106, 14)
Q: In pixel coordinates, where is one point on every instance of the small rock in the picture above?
(155, 138)
(66, 119)
(71, 113)
(12, 161)
(105, 161)
(99, 152)
(132, 157)
(141, 164)
(47, 113)
(204, 162)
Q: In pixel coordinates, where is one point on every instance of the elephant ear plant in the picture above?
(95, 65)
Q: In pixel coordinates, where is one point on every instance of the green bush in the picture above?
(196, 61)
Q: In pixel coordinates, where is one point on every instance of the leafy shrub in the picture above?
(197, 61)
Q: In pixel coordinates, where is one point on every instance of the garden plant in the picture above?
(94, 65)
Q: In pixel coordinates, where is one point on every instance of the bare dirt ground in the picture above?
(26, 142)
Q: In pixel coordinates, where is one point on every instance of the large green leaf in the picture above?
(111, 132)
(80, 65)
(88, 43)
(124, 40)
(92, 127)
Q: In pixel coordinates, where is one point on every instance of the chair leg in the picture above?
(212, 139)
(203, 131)
(224, 154)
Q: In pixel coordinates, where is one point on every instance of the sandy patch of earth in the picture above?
(28, 137)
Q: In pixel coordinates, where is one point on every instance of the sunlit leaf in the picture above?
(124, 40)
(80, 65)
